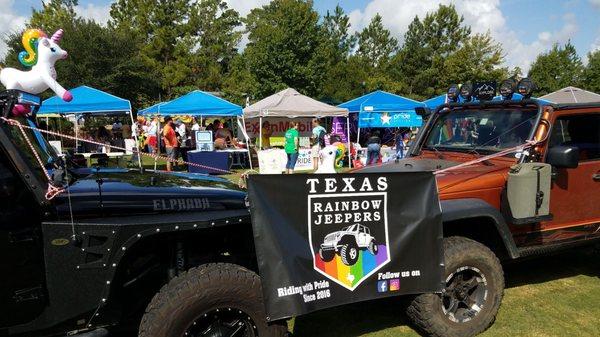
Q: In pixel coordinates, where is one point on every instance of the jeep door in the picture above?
(575, 193)
(22, 290)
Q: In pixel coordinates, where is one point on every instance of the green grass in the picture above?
(556, 295)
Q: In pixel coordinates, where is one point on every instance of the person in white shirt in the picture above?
(195, 126)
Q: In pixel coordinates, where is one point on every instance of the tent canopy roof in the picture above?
(290, 103)
(151, 110)
(572, 95)
(86, 100)
(195, 103)
(381, 101)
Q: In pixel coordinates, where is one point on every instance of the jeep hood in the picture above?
(491, 174)
(130, 192)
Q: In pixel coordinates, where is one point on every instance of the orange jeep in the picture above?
(532, 201)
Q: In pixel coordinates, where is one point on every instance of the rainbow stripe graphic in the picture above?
(352, 275)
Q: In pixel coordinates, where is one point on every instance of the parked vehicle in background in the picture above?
(529, 202)
(172, 254)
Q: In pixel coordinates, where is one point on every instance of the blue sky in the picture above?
(524, 28)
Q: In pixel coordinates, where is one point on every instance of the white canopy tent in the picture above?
(289, 103)
(571, 95)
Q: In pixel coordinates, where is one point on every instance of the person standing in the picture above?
(267, 132)
(195, 125)
(151, 136)
(292, 141)
(171, 144)
(318, 141)
(373, 148)
(399, 142)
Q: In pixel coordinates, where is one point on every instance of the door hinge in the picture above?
(28, 294)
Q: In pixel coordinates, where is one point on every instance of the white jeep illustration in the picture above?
(347, 243)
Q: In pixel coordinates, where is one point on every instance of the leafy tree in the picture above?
(427, 44)
(337, 30)
(375, 43)
(558, 68)
(591, 74)
(285, 48)
(478, 59)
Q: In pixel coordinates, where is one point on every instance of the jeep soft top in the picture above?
(170, 253)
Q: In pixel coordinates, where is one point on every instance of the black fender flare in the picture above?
(468, 208)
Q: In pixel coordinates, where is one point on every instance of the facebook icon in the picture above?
(382, 286)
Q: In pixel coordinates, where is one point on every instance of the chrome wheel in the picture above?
(465, 294)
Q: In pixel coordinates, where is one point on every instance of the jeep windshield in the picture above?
(40, 146)
(480, 130)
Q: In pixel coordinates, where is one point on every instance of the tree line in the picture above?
(156, 50)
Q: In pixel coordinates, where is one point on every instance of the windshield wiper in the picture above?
(438, 152)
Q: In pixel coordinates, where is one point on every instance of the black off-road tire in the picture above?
(349, 253)
(204, 289)
(426, 310)
(373, 247)
(326, 255)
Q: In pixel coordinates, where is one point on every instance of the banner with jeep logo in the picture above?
(327, 240)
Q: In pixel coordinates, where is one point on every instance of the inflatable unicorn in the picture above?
(40, 53)
(326, 159)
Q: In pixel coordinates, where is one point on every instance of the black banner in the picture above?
(327, 240)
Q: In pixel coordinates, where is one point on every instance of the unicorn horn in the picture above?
(57, 36)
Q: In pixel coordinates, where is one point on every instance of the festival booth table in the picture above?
(289, 103)
(381, 109)
(88, 101)
(202, 104)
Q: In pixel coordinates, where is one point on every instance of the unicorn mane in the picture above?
(30, 39)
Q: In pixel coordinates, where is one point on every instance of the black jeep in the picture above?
(170, 253)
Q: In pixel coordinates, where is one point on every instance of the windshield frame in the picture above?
(29, 171)
(485, 105)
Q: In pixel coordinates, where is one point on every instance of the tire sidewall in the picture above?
(346, 253)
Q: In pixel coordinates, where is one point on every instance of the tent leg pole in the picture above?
(76, 133)
(247, 141)
(348, 141)
(260, 134)
(135, 138)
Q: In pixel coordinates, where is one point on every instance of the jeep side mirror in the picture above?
(563, 156)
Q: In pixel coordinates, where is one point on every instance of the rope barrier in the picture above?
(518, 148)
(53, 190)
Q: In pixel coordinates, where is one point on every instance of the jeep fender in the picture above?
(469, 208)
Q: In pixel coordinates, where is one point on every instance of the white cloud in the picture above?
(9, 22)
(100, 14)
(595, 45)
(595, 3)
(482, 15)
(245, 6)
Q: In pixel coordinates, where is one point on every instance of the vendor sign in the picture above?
(404, 119)
(327, 240)
(278, 126)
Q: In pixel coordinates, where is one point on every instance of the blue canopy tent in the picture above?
(151, 110)
(384, 109)
(195, 103)
(198, 103)
(87, 100)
